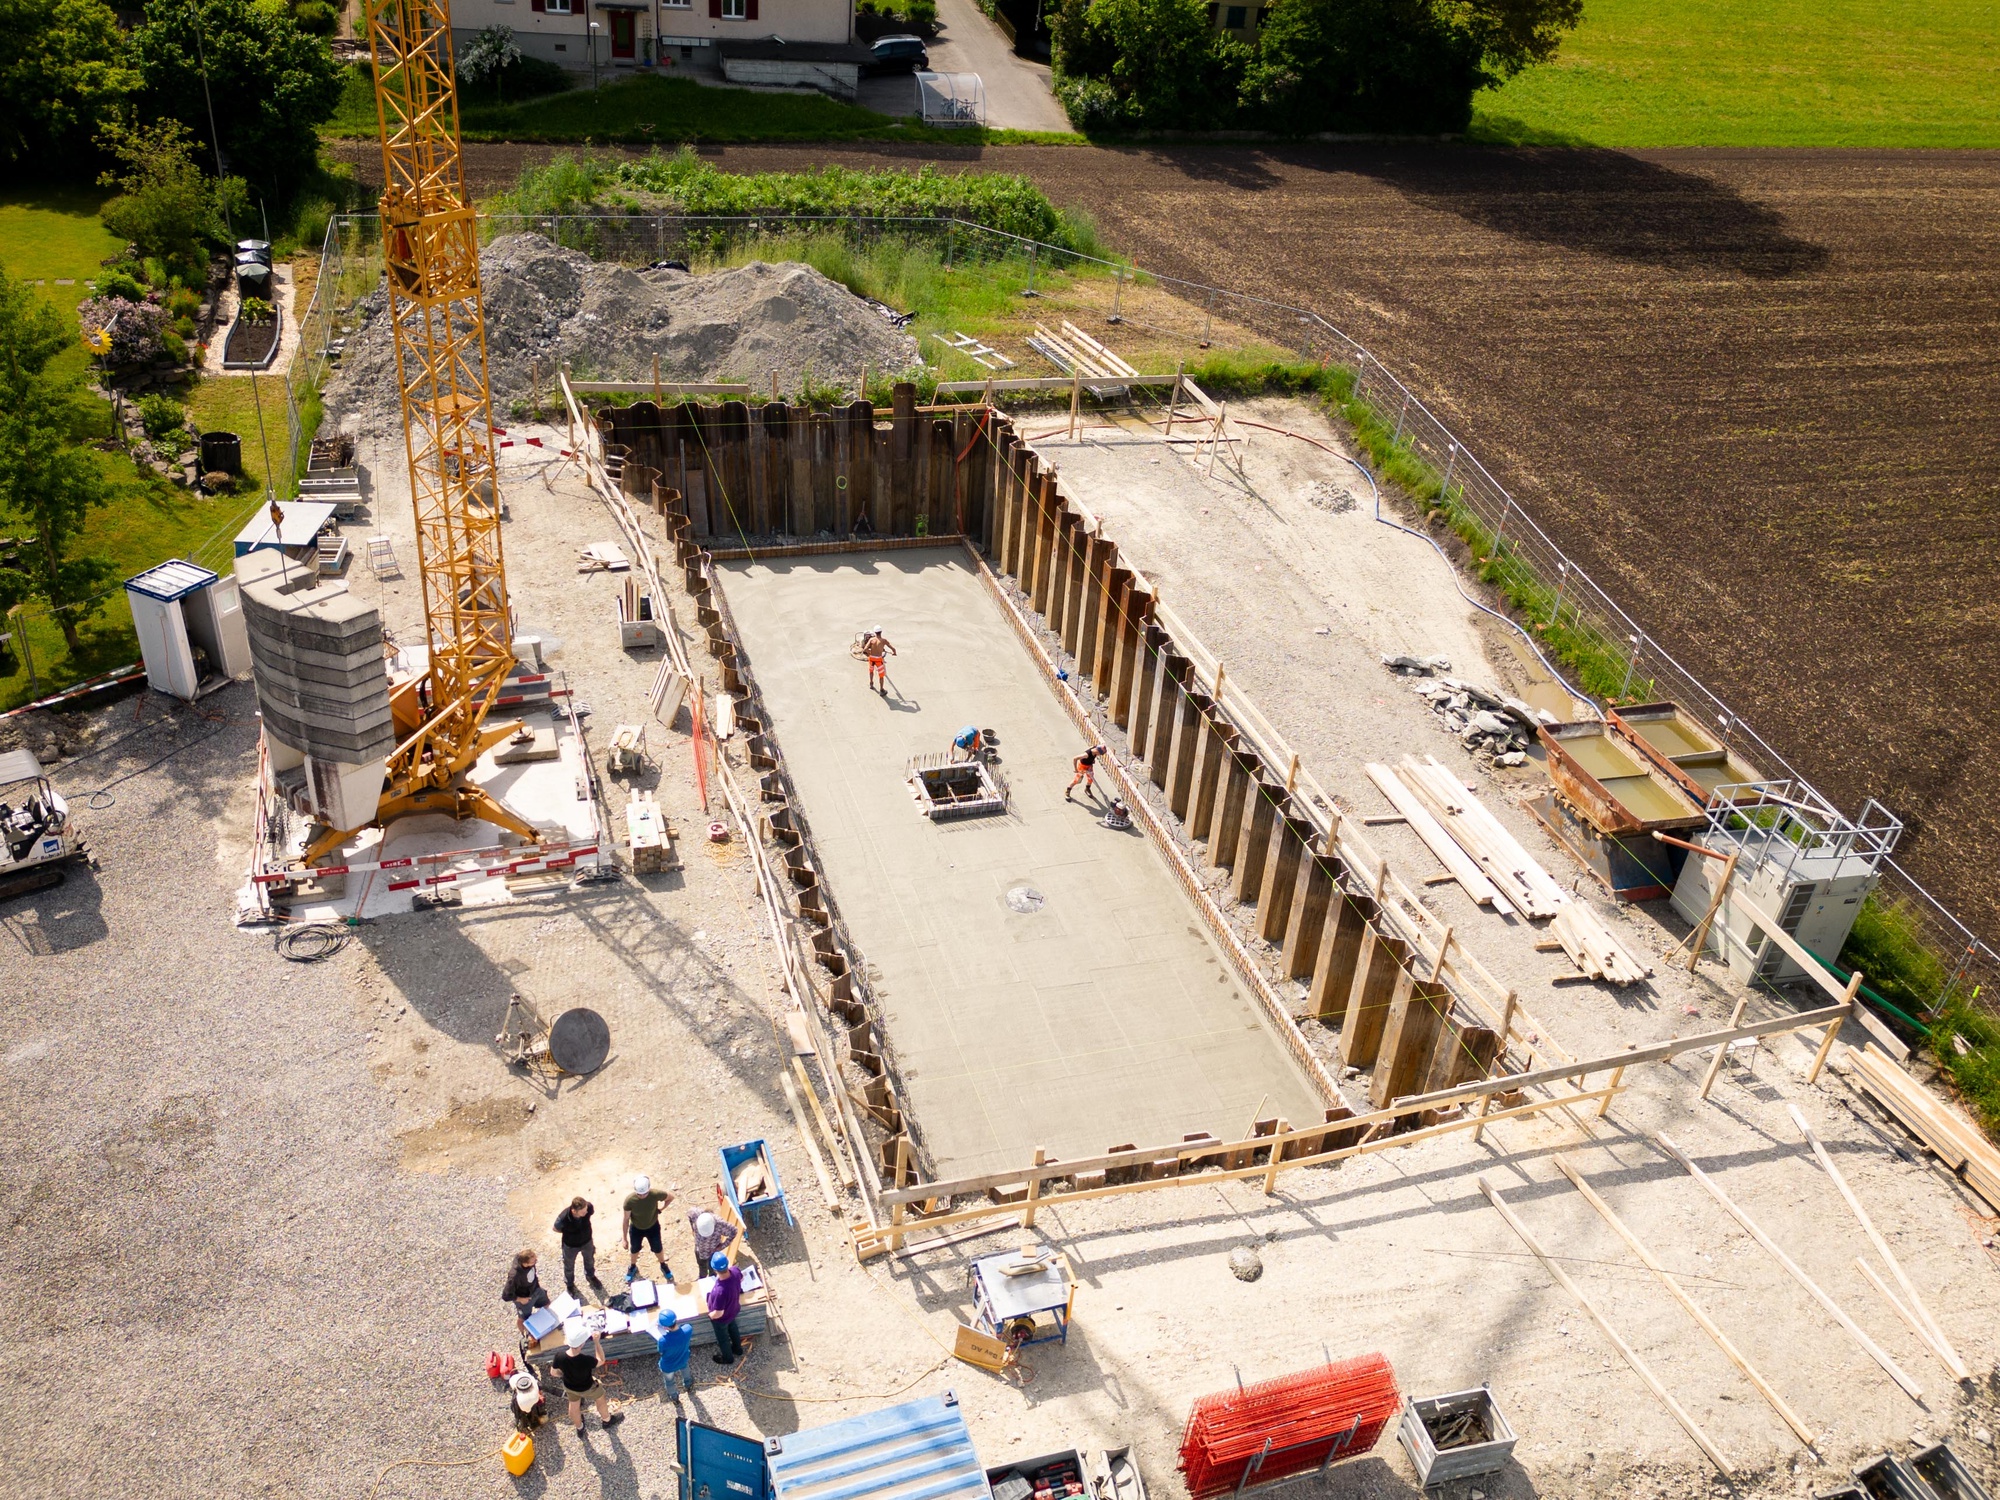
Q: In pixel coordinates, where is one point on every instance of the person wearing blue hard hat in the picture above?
(675, 1339)
(968, 742)
(725, 1300)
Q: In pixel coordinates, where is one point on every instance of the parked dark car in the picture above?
(900, 54)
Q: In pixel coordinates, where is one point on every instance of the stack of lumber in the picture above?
(1462, 824)
(1462, 866)
(1956, 1141)
(1075, 352)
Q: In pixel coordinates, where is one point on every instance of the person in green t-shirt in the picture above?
(642, 1224)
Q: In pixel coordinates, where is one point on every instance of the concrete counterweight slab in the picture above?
(1100, 1016)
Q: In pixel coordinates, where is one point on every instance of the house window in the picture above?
(1213, 12)
(558, 7)
(677, 4)
(1235, 17)
(735, 10)
(1263, 15)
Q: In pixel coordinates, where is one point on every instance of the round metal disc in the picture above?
(1024, 898)
(579, 1041)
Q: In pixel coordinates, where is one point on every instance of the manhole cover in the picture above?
(1025, 898)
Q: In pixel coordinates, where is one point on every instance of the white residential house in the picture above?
(641, 34)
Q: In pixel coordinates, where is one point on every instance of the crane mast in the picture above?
(430, 251)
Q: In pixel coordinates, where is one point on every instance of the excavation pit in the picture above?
(1101, 1013)
(966, 790)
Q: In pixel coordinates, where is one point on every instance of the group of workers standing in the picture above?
(583, 1352)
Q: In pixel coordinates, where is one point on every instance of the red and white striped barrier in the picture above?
(522, 855)
(488, 872)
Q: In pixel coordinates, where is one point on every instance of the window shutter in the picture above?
(715, 10)
(749, 10)
(540, 5)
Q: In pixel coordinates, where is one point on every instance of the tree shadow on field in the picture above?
(1582, 198)
(1601, 203)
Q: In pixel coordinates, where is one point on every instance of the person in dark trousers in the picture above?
(725, 1301)
(675, 1339)
(641, 1219)
(1086, 772)
(524, 1286)
(578, 1366)
(573, 1224)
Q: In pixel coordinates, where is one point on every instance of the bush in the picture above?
(119, 284)
(921, 13)
(254, 310)
(173, 346)
(998, 200)
(184, 328)
(161, 415)
(1091, 104)
(121, 331)
(165, 205)
(315, 18)
(182, 303)
(524, 78)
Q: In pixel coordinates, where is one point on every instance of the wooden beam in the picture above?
(1461, 1093)
(1928, 1327)
(1688, 1423)
(1791, 1418)
(1875, 1351)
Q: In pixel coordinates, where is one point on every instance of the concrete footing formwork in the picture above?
(1409, 1004)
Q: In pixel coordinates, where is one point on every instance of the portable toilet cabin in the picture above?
(191, 631)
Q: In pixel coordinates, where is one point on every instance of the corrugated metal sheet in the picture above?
(171, 580)
(920, 1450)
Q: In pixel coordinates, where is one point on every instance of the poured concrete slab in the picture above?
(1103, 1017)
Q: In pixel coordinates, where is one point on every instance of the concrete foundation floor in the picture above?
(1103, 1017)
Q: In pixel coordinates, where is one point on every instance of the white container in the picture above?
(1425, 1416)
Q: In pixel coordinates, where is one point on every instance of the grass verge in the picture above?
(1760, 73)
(652, 110)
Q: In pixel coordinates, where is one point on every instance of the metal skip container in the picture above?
(1455, 1436)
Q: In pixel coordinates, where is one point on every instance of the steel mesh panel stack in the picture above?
(1263, 1432)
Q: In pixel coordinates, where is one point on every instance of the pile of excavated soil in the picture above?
(548, 307)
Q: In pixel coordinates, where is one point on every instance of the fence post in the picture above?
(1208, 320)
(1450, 463)
(1500, 531)
(1401, 417)
(1031, 292)
(1631, 661)
(1562, 582)
(1117, 296)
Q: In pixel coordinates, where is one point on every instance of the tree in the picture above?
(1161, 58)
(272, 84)
(488, 55)
(63, 77)
(165, 205)
(48, 483)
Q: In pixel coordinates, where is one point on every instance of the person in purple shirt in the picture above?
(725, 1300)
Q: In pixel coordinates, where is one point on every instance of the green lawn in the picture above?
(1762, 73)
(648, 110)
(48, 235)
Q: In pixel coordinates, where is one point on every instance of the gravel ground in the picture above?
(307, 1179)
(548, 307)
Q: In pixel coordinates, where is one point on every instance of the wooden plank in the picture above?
(1834, 1310)
(1936, 1335)
(1463, 867)
(1631, 1356)
(1694, 1309)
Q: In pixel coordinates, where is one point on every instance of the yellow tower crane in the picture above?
(430, 250)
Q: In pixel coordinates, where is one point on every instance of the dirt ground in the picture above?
(260, 1211)
(1748, 390)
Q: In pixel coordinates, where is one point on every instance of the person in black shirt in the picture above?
(573, 1224)
(1086, 772)
(524, 1286)
(578, 1366)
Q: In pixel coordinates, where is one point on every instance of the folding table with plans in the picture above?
(1035, 1305)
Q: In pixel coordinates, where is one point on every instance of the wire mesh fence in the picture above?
(1606, 650)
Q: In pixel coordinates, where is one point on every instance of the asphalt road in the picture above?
(1017, 90)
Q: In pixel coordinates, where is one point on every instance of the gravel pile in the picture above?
(547, 306)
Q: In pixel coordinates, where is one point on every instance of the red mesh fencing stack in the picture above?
(1285, 1426)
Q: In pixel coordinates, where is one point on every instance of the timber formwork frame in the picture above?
(431, 256)
(1451, 1048)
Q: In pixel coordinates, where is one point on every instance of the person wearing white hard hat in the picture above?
(578, 1366)
(874, 646)
(710, 1235)
(642, 1224)
(526, 1403)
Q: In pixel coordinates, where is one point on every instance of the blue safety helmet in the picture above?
(667, 1320)
(718, 1262)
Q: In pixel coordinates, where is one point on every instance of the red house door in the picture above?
(624, 33)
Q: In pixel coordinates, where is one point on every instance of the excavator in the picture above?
(430, 250)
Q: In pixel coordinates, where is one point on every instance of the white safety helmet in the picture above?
(527, 1390)
(642, 1183)
(577, 1338)
(704, 1224)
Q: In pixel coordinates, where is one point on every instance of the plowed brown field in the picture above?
(1756, 393)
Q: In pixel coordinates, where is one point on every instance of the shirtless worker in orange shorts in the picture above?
(873, 645)
(1086, 772)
